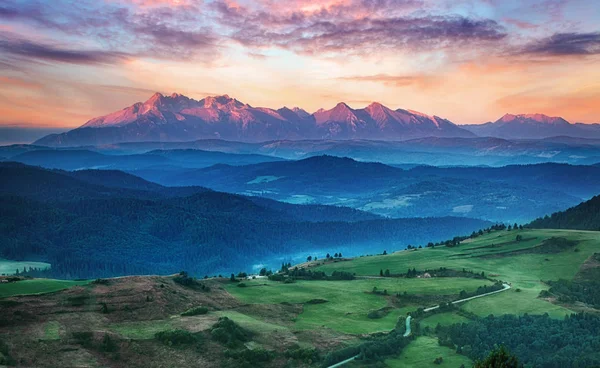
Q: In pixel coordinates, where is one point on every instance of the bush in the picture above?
(196, 311)
(254, 356)
(228, 332)
(308, 356)
(108, 344)
(84, 338)
(5, 358)
(177, 337)
(241, 284)
(438, 360)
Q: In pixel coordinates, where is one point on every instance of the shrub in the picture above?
(108, 344)
(308, 355)
(84, 338)
(228, 332)
(196, 311)
(241, 284)
(438, 360)
(5, 358)
(253, 356)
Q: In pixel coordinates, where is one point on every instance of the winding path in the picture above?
(505, 287)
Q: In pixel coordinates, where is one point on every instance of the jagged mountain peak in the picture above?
(176, 117)
(529, 118)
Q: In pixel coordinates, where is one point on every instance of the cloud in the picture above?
(520, 23)
(394, 80)
(38, 51)
(327, 31)
(151, 29)
(15, 82)
(565, 44)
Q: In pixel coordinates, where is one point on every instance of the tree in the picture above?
(340, 255)
(509, 228)
(380, 272)
(327, 256)
(385, 252)
(519, 238)
(387, 273)
(232, 278)
(263, 272)
(500, 357)
(309, 258)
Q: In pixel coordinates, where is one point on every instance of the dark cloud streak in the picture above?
(566, 44)
(38, 51)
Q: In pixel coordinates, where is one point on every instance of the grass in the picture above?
(37, 286)
(524, 271)
(51, 330)
(443, 319)
(349, 302)
(422, 352)
(142, 330)
(250, 323)
(10, 267)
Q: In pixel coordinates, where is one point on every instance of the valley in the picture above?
(299, 184)
(316, 317)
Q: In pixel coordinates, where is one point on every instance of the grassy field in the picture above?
(37, 286)
(422, 352)
(493, 254)
(10, 267)
(443, 319)
(348, 302)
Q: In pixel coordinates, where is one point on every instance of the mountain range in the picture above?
(177, 118)
(180, 118)
(533, 126)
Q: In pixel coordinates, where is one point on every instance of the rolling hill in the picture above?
(90, 230)
(78, 159)
(513, 193)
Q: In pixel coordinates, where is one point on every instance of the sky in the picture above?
(63, 62)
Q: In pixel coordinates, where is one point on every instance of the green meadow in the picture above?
(348, 302)
(37, 286)
(501, 257)
(423, 351)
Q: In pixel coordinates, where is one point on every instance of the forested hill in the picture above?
(585, 216)
(89, 230)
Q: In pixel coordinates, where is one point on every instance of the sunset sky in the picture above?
(63, 62)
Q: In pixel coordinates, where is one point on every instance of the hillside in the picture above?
(54, 217)
(311, 320)
(78, 159)
(514, 193)
(585, 216)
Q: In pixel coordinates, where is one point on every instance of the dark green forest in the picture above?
(537, 340)
(88, 230)
(585, 216)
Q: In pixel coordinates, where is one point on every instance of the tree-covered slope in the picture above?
(585, 216)
(90, 230)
